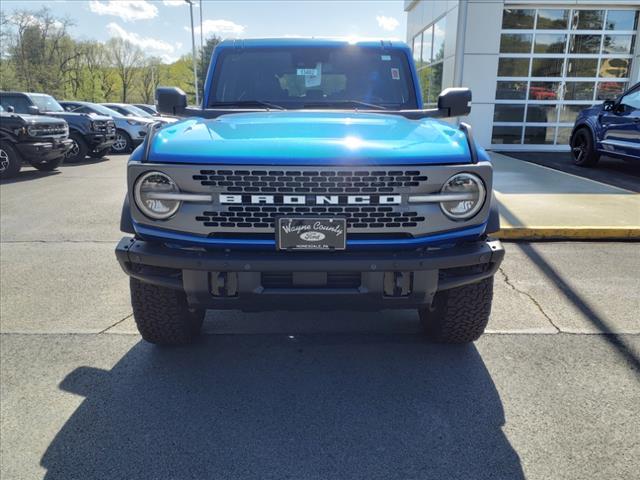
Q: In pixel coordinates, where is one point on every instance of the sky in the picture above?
(162, 27)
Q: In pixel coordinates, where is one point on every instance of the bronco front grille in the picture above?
(49, 130)
(310, 181)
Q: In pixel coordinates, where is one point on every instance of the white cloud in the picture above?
(127, 10)
(222, 28)
(150, 45)
(387, 23)
(174, 3)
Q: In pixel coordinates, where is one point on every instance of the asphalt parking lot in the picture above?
(551, 391)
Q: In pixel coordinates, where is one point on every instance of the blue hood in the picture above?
(309, 137)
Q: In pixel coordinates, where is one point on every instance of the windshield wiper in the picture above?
(356, 103)
(248, 103)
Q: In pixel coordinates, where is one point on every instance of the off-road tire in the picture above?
(99, 153)
(583, 148)
(48, 165)
(459, 315)
(11, 161)
(77, 154)
(124, 142)
(162, 314)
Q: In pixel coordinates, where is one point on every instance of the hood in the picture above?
(123, 120)
(74, 117)
(35, 119)
(311, 137)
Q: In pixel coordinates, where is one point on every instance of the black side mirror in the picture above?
(10, 109)
(171, 100)
(455, 102)
(33, 110)
(608, 105)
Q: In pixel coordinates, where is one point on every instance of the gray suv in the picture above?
(130, 131)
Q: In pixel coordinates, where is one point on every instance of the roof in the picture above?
(314, 42)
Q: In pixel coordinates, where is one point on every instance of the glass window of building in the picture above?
(555, 62)
(551, 19)
(622, 20)
(515, 18)
(431, 65)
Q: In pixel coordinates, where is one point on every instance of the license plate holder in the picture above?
(311, 233)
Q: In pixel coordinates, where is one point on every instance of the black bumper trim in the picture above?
(133, 253)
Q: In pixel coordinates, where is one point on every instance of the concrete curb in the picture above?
(570, 233)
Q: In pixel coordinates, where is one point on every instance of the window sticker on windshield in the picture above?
(395, 73)
(312, 76)
(386, 58)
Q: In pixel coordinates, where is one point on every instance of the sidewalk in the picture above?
(541, 203)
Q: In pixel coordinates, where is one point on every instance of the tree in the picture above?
(149, 79)
(126, 58)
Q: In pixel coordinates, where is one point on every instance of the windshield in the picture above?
(138, 112)
(313, 77)
(45, 103)
(105, 111)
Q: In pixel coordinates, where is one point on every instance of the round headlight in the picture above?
(152, 193)
(467, 195)
(32, 131)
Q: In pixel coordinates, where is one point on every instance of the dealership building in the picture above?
(532, 66)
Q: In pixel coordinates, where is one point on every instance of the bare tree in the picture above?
(126, 58)
(150, 79)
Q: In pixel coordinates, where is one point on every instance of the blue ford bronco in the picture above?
(311, 177)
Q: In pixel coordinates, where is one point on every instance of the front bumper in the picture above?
(44, 151)
(100, 141)
(239, 280)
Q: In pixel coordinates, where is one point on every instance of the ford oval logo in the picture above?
(312, 236)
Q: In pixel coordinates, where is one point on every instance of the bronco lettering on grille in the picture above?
(226, 199)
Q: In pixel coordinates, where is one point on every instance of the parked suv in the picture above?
(41, 141)
(311, 178)
(133, 111)
(90, 135)
(612, 128)
(130, 131)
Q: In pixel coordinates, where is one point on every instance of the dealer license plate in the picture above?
(311, 233)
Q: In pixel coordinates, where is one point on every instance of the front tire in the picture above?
(10, 161)
(78, 150)
(162, 314)
(459, 315)
(123, 142)
(48, 165)
(583, 148)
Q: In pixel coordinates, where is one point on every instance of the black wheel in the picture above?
(162, 314)
(99, 153)
(48, 165)
(459, 315)
(583, 148)
(78, 150)
(10, 161)
(123, 142)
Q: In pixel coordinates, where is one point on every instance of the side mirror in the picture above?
(455, 102)
(10, 109)
(33, 110)
(608, 105)
(171, 100)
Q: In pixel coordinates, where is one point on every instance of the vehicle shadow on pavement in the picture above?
(26, 175)
(279, 406)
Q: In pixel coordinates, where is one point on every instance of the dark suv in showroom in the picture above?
(91, 135)
(611, 128)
